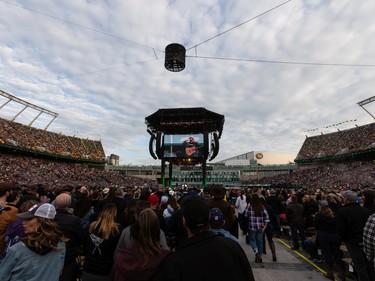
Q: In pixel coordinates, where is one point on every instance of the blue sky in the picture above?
(100, 66)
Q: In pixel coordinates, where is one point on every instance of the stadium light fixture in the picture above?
(367, 101)
(175, 57)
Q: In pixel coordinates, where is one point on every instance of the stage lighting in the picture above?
(175, 57)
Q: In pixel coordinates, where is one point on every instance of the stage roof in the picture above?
(173, 121)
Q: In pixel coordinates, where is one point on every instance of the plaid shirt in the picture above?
(369, 238)
(254, 222)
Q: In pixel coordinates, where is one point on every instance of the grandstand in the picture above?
(344, 159)
(352, 143)
(27, 139)
(340, 159)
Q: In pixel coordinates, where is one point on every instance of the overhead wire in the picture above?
(94, 30)
(283, 62)
(79, 25)
(238, 25)
(194, 46)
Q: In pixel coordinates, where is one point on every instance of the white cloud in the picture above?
(93, 63)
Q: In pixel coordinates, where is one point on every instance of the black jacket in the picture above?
(276, 205)
(208, 256)
(294, 213)
(70, 226)
(324, 223)
(351, 219)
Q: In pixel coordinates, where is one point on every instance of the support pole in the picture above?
(163, 172)
(170, 174)
(204, 183)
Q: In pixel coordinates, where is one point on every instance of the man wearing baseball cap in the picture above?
(205, 252)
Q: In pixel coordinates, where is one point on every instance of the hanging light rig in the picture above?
(175, 57)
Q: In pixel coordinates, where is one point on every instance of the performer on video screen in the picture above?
(192, 147)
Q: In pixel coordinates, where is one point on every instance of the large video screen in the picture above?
(183, 146)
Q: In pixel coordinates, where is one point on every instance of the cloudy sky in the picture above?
(277, 70)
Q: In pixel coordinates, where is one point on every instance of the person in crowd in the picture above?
(369, 199)
(269, 231)
(311, 247)
(120, 203)
(43, 246)
(41, 193)
(217, 222)
(206, 193)
(129, 213)
(310, 207)
(369, 239)
(84, 209)
(100, 243)
(234, 228)
(30, 194)
(154, 200)
(295, 217)
(351, 219)
(172, 206)
(127, 240)
(233, 196)
(205, 250)
(257, 218)
(241, 208)
(163, 202)
(70, 226)
(15, 231)
(140, 259)
(218, 194)
(329, 240)
(277, 208)
(281, 198)
(10, 215)
(14, 197)
(176, 230)
(333, 203)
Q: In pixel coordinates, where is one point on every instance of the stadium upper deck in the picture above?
(341, 144)
(25, 138)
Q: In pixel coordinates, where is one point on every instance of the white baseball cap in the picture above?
(41, 210)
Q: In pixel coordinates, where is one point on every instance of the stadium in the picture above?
(57, 163)
(333, 160)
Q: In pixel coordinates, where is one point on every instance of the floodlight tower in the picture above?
(367, 101)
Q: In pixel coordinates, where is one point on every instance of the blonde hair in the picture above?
(46, 236)
(146, 230)
(105, 224)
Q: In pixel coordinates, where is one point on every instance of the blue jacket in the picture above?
(225, 233)
(21, 263)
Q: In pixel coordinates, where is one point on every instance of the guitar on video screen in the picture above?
(189, 151)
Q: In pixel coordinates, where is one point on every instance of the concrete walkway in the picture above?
(290, 265)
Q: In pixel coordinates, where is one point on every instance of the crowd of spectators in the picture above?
(355, 174)
(337, 143)
(55, 174)
(45, 180)
(46, 142)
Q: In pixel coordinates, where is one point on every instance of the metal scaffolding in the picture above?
(10, 98)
